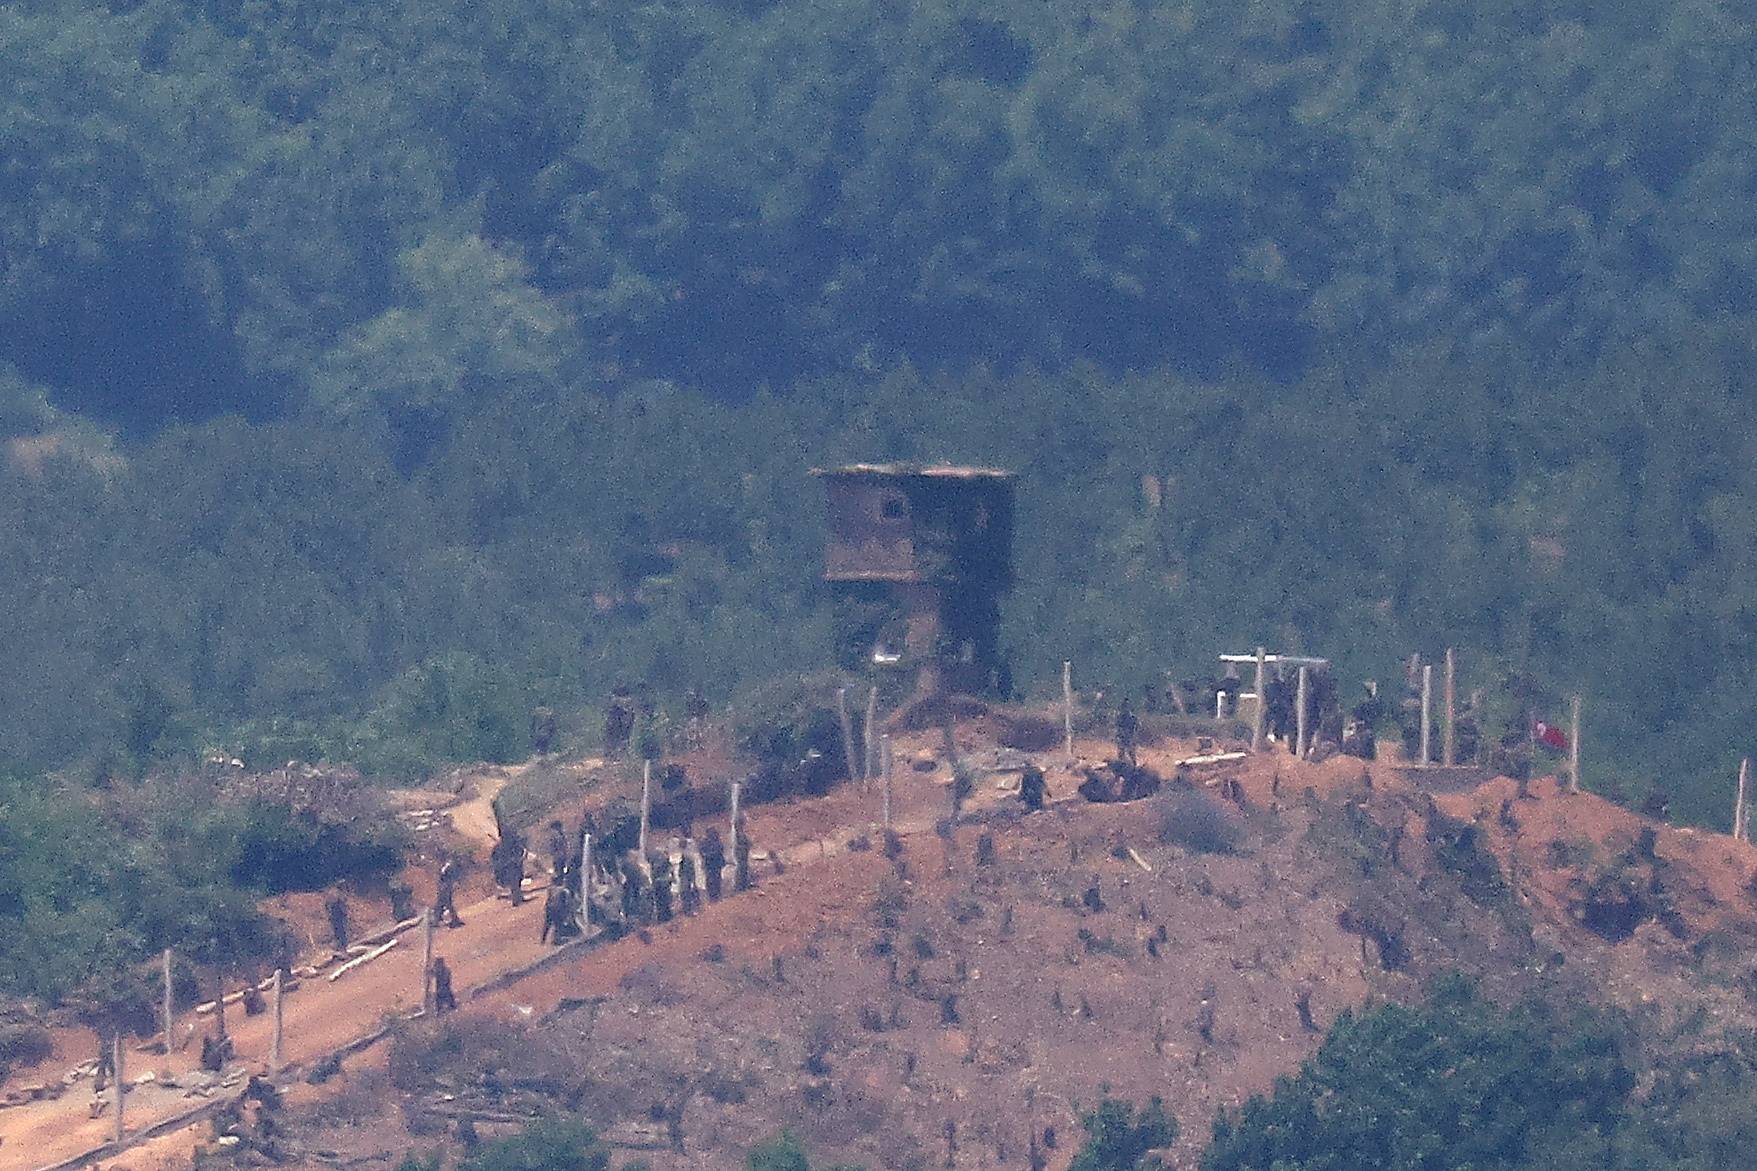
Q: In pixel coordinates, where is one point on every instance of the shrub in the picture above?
(549, 1145)
(1198, 823)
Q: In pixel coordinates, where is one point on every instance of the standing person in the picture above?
(542, 730)
(337, 908)
(445, 901)
(1128, 727)
(560, 857)
(618, 721)
(1032, 788)
(713, 862)
(695, 710)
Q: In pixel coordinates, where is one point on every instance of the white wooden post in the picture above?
(1427, 705)
(1257, 717)
(1299, 735)
(847, 730)
(646, 802)
(868, 751)
(732, 838)
(1739, 831)
(1068, 706)
(1220, 705)
(885, 770)
(121, 1078)
(1574, 746)
(427, 923)
(1449, 741)
(166, 1006)
(279, 991)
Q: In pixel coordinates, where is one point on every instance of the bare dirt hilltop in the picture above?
(944, 1005)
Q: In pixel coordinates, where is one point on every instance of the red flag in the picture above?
(1550, 735)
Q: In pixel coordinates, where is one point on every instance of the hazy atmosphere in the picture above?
(383, 386)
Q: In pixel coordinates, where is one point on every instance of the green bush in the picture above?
(1198, 823)
(1118, 1138)
(552, 1144)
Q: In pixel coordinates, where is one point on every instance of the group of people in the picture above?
(626, 887)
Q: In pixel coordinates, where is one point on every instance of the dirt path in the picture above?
(322, 1015)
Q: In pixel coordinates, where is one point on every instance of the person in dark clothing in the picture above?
(557, 914)
(1032, 788)
(618, 722)
(713, 862)
(445, 901)
(508, 859)
(560, 856)
(662, 889)
(542, 730)
(1128, 728)
(337, 909)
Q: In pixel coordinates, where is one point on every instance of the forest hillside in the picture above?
(369, 374)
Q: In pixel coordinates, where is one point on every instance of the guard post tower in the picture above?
(919, 557)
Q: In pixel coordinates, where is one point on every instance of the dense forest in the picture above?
(370, 373)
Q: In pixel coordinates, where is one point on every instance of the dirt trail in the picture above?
(322, 1015)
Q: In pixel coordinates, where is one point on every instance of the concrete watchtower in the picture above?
(920, 557)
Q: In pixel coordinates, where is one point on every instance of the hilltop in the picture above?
(885, 1007)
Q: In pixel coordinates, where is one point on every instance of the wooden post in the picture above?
(1740, 834)
(585, 915)
(279, 991)
(868, 751)
(166, 1006)
(646, 802)
(885, 770)
(1449, 737)
(732, 832)
(1427, 708)
(1299, 720)
(1574, 746)
(121, 1078)
(847, 731)
(1068, 706)
(1257, 716)
(428, 921)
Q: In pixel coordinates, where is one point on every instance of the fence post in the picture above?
(1299, 719)
(1449, 742)
(885, 771)
(585, 915)
(167, 1006)
(847, 731)
(1068, 706)
(1257, 717)
(1739, 833)
(116, 1052)
(1427, 719)
(1574, 746)
(275, 1038)
(732, 837)
(427, 922)
(868, 752)
(646, 802)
